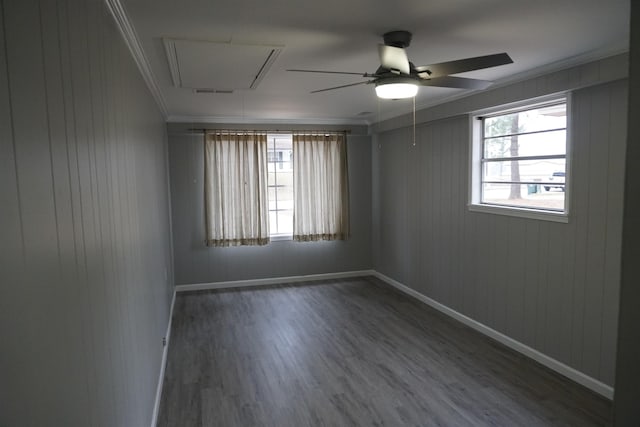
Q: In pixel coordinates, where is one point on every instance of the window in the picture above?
(519, 161)
(253, 196)
(280, 185)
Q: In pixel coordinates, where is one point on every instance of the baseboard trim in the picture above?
(551, 363)
(163, 364)
(271, 281)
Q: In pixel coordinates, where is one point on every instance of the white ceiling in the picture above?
(343, 35)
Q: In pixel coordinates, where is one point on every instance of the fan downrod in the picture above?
(401, 39)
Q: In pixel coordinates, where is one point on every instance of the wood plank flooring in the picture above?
(351, 352)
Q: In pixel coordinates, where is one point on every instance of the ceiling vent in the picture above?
(210, 67)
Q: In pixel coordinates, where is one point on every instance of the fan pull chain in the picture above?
(414, 121)
(377, 131)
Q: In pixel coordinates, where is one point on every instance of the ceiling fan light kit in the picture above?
(396, 89)
(398, 78)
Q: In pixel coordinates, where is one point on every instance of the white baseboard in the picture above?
(271, 281)
(569, 372)
(163, 365)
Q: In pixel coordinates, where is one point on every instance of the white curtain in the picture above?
(320, 186)
(236, 205)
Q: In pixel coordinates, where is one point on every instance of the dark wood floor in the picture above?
(352, 352)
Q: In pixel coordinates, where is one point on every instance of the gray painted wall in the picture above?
(551, 286)
(626, 409)
(196, 263)
(84, 221)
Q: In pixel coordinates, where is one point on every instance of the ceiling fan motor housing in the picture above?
(401, 39)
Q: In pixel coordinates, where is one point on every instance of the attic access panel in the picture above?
(218, 67)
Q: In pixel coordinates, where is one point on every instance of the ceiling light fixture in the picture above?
(396, 89)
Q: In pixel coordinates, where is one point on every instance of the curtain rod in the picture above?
(204, 130)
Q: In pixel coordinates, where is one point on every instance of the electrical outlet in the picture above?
(164, 341)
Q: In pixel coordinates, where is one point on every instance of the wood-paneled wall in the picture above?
(85, 255)
(551, 286)
(195, 263)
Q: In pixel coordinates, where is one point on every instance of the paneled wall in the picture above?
(551, 286)
(85, 255)
(626, 411)
(196, 263)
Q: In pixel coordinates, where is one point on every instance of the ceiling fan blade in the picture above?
(394, 58)
(340, 87)
(456, 82)
(463, 65)
(331, 72)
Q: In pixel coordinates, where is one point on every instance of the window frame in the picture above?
(476, 149)
(275, 237)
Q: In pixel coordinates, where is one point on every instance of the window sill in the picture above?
(281, 237)
(520, 212)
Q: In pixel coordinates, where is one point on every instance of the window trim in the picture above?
(474, 203)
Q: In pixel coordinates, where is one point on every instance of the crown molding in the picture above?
(563, 64)
(258, 121)
(133, 43)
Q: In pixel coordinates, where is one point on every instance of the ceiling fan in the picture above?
(397, 77)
